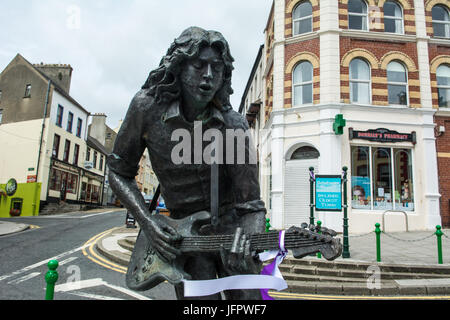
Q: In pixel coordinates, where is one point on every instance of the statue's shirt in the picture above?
(186, 186)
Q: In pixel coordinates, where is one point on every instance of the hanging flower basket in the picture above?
(14, 212)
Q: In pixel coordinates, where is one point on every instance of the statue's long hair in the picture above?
(163, 82)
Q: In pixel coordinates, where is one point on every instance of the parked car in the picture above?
(148, 200)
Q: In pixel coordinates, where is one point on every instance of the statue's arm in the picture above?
(123, 166)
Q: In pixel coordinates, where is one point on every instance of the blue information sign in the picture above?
(328, 193)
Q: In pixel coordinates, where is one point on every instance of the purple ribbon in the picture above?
(272, 268)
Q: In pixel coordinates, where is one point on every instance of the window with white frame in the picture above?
(302, 83)
(443, 84)
(393, 17)
(302, 18)
(382, 178)
(397, 83)
(441, 21)
(357, 15)
(359, 79)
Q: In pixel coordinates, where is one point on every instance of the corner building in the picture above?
(383, 66)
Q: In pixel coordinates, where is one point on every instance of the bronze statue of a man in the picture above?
(191, 86)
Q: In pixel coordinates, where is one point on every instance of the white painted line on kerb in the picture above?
(25, 278)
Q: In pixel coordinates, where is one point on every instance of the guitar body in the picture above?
(146, 269)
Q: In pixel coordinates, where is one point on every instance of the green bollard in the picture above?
(268, 225)
(378, 233)
(319, 224)
(439, 234)
(51, 277)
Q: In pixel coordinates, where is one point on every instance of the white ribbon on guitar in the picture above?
(198, 288)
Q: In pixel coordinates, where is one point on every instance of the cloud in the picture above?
(112, 45)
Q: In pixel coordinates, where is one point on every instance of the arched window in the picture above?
(359, 81)
(302, 18)
(443, 83)
(397, 83)
(441, 21)
(357, 15)
(302, 80)
(393, 17)
(304, 153)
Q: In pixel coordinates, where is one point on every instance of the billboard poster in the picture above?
(328, 193)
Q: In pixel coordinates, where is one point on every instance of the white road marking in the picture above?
(79, 285)
(93, 296)
(25, 278)
(110, 243)
(67, 261)
(41, 263)
(84, 284)
(128, 292)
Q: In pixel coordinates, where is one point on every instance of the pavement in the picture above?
(407, 249)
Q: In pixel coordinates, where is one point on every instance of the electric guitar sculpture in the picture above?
(146, 269)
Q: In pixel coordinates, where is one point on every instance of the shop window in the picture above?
(397, 84)
(302, 18)
(357, 15)
(302, 79)
(393, 17)
(441, 21)
(359, 81)
(443, 83)
(382, 178)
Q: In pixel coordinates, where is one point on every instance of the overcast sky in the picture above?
(112, 45)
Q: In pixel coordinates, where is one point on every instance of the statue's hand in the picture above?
(163, 238)
(240, 259)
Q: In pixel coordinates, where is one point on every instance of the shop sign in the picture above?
(11, 187)
(31, 179)
(382, 135)
(64, 166)
(328, 193)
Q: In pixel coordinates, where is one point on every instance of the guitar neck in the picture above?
(259, 242)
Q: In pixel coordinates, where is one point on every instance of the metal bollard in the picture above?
(268, 225)
(51, 277)
(378, 233)
(439, 234)
(319, 224)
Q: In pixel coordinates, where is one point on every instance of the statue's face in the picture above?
(201, 77)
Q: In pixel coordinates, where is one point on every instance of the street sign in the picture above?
(328, 193)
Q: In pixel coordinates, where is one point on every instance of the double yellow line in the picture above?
(288, 295)
(89, 252)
